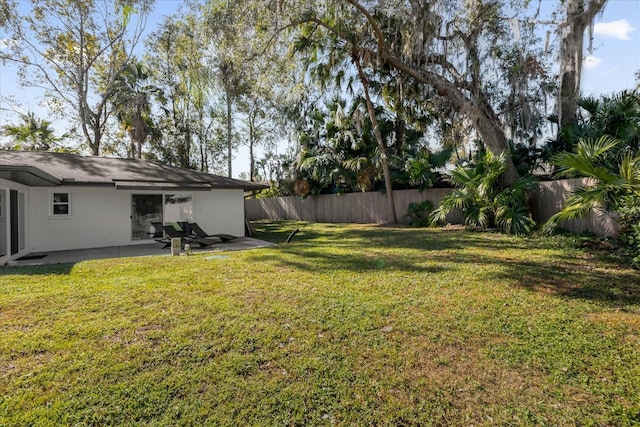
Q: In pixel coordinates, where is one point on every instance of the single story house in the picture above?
(61, 201)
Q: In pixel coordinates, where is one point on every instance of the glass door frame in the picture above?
(142, 219)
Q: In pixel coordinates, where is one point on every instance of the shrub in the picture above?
(418, 213)
(629, 224)
(483, 203)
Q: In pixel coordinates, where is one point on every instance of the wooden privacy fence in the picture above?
(361, 208)
(549, 199)
(371, 207)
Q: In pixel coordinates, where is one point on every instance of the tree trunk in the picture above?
(132, 146)
(493, 137)
(229, 136)
(140, 139)
(571, 47)
(381, 146)
(203, 167)
(571, 56)
(482, 114)
(89, 123)
(95, 148)
(139, 132)
(400, 123)
(201, 140)
(95, 143)
(185, 161)
(252, 161)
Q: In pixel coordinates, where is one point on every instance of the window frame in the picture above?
(53, 204)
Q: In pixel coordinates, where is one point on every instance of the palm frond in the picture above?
(525, 183)
(630, 169)
(596, 148)
(479, 215)
(582, 201)
(442, 157)
(514, 220)
(490, 168)
(590, 104)
(356, 163)
(463, 177)
(457, 199)
(584, 162)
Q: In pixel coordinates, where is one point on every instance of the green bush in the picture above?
(483, 202)
(419, 213)
(629, 224)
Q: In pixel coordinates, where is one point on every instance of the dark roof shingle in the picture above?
(46, 168)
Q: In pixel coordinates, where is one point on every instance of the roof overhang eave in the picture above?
(254, 187)
(30, 176)
(165, 186)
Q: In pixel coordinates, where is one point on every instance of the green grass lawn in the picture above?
(346, 325)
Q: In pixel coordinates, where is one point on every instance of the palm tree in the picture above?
(132, 102)
(607, 151)
(617, 116)
(482, 202)
(32, 134)
(422, 165)
(614, 172)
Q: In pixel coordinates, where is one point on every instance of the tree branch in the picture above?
(372, 22)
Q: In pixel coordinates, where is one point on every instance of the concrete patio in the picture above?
(151, 249)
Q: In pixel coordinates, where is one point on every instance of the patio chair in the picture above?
(157, 230)
(198, 231)
(173, 233)
(167, 240)
(186, 229)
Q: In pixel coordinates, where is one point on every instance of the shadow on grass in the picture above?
(582, 277)
(319, 261)
(33, 270)
(583, 280)
(570, 271)
(379, 236)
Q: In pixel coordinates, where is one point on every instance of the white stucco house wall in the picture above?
(61, 201)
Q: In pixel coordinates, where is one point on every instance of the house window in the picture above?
(178, 208)
(61, 204)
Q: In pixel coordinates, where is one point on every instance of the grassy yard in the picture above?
(346, 325)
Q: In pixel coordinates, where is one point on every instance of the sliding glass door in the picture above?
(16, 221)
(150, 211)
(3, 223)
(146, 210)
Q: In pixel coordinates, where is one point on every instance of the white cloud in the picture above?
(591, 61)
(619, 29)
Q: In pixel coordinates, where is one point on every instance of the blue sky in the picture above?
(616, 49)
(609, 67)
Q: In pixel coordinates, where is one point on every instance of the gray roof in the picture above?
(45, 169)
